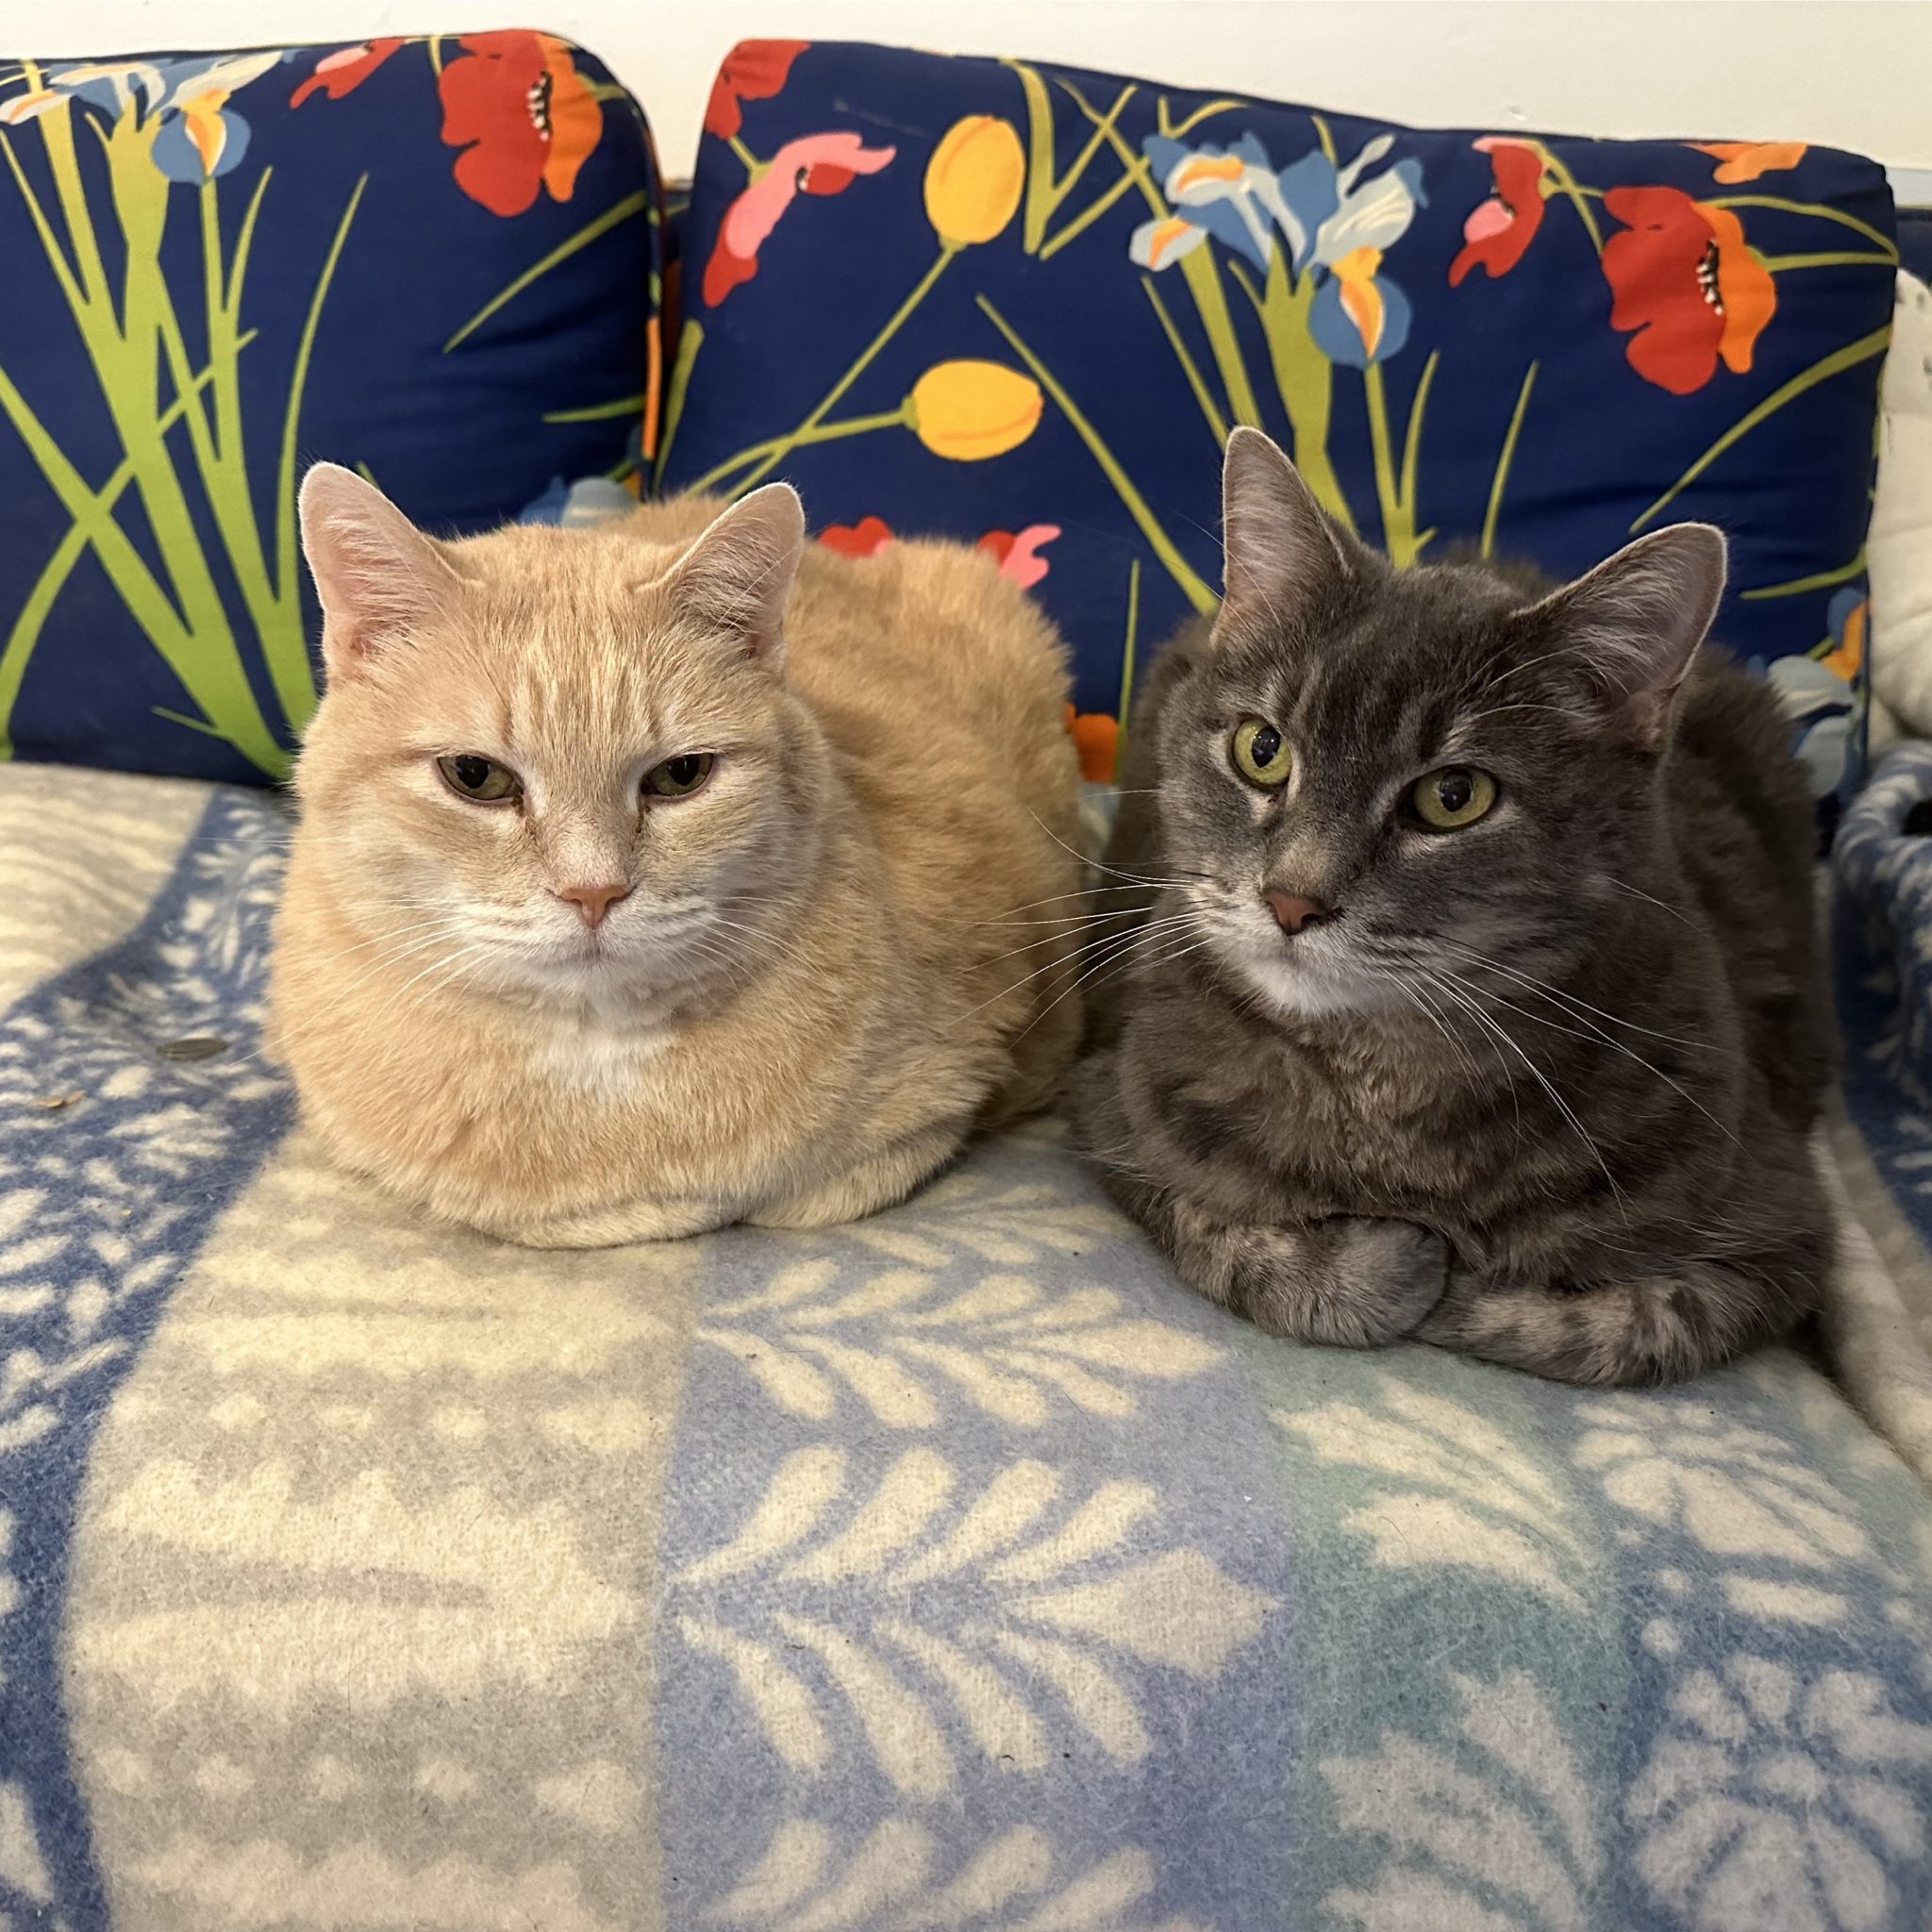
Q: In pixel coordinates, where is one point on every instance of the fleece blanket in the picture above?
(955, 1569)
(1882, 1139)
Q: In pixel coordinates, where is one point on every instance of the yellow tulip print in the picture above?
(973, 180)
(968, 410)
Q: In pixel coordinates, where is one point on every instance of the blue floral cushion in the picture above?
(1023, 304)
(434, 259)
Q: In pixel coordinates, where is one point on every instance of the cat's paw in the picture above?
(1448, 1322)
(1351, 1281)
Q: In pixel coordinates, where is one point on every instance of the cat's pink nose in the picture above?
(1292, 911)
(592, 902)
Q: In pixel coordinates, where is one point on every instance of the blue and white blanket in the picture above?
(1882, 1146)
(952, 1570)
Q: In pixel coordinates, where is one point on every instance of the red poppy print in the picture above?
(1501, 229)
(1018, 553)
(523, 116)
(857, 540)
(752, 71)
(1685, 281)
(345, 69)
(814, 164)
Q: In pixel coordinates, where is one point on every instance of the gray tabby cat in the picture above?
(1474, 995)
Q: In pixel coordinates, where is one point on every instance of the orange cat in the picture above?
(665, 875)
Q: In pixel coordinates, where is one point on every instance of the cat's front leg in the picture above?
(1349, 1281)
(1646, 1328)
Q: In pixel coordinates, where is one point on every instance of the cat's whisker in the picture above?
(1093, 892)
(1121, 958)
(1109, 925)
(1546, 991)
(1446, 992)
(372, 969)
(1112, 871)
(1473, 718)
(448, 921)
(1556, 1100)
(1177, 947)
(1617, 1045)
(1144, 930)
(1651, 899)
(1430, 1010)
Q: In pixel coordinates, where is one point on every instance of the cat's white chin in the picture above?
(616, 981)
(1298, 983)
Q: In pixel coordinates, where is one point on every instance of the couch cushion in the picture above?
(432, 259)
(1012, 302)
(955, 1568)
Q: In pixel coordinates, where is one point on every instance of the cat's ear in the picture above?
(737, 577)
(381, 581)
(1631, 627)
(1282, 554)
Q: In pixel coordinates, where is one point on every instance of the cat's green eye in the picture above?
(1455, 797)
(480, 779)
(1260, 752)
(680, 776)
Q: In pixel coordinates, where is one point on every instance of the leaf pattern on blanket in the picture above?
(1462, 1493)
(1738, 1490)
(1006, 1221)
(1774, 1796)
(1495, 1831)
(163, 1119)
(949, 1624)
(897, 1878)
(901, 1345)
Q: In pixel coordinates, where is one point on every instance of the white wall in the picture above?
(1848, 73)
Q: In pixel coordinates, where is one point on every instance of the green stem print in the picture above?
(1886, 245)
(617, 212)
(1304, 377)
(900, 417)
(1578, 197)
(690, 340)
(1191, 585)
(1821, 371)
(1120, 743)
(1412, 442)
(1818, 580)
(134, 340)
(1396, 495)
(288, 583)
(1500, 480)
(1210, 302)
(51, 580)
(1843, 258)
(1176, 130)
(1045, 190)
(765, 457)
(1217, 424)
(599, 412)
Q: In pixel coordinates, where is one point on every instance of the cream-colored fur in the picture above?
(828, 970)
